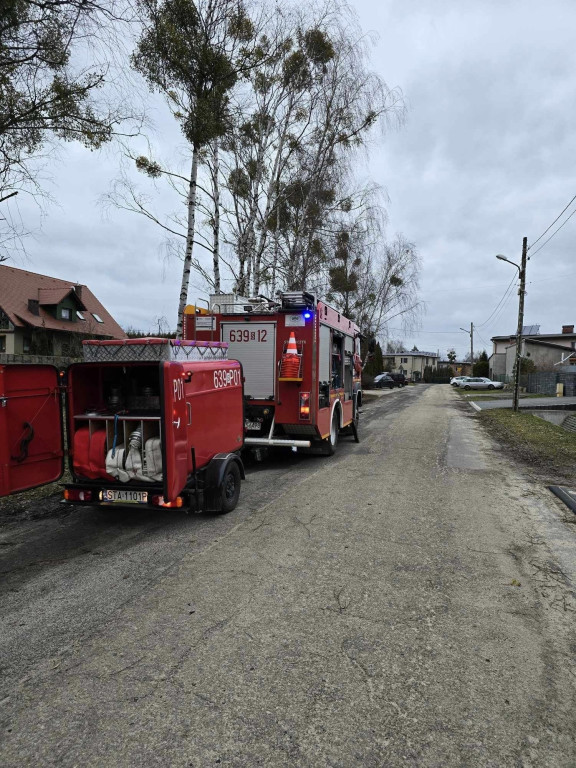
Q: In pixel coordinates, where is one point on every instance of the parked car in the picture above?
(456, 381)
(384, 380)
(479, 382)
(399, 379)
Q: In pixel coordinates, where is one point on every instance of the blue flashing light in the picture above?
(307, 315)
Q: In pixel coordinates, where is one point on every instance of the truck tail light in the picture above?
(77, 494)
(158, 501)
(305, 405)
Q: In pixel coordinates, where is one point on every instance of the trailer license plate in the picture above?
(125, 497)
(252, 425)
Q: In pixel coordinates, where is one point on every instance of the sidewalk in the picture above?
(528, 403)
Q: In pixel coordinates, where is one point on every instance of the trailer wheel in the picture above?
(230, 488)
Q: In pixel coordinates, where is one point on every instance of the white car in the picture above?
(456, 381)
(479, 382)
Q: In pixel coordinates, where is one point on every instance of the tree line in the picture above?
(276, 104)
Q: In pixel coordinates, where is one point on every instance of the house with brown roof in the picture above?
(41, 315)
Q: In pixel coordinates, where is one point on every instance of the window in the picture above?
(97, 317)
(4, 321)
(80, 315)
(2, 343)
(65, 313)
(404, 360)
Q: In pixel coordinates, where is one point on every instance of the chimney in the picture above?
(567, 329)
(78, 289)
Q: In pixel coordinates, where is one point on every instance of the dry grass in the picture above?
(543, 445)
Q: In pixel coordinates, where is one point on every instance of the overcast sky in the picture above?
(486, 157)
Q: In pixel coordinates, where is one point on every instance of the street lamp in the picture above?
(521, 292)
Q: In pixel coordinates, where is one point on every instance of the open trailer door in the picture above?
(31, 445)
(174, 430)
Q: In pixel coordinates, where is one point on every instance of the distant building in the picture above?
(459, 367)
(42, 315)
(411, 364)
(544, 349)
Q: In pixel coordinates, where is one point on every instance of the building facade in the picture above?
(545, 350)
(411, 364)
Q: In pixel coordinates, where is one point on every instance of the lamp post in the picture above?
(521, 292)
(471, 333)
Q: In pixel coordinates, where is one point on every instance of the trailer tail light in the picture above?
(305, 406)
(77, 494)
(158, 501)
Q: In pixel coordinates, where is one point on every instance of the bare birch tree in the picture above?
(192, 53)
(315, 103)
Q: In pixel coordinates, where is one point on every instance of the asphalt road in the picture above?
(409, 601)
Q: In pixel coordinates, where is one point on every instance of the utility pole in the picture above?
(471, 332)
(521, 292)
(472, 349)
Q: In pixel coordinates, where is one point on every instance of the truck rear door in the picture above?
(31, 435)
(174, 430)
(254, 345)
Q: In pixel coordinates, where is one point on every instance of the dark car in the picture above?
(398, 378)
(384, 380)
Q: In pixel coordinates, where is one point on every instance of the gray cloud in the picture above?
(486, 157)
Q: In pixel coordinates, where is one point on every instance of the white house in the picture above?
(411, 364)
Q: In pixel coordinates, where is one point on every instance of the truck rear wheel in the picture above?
(330, 443)
(230, 488)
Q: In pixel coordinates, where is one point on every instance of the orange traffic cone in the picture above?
(292, 349)
(290, 368)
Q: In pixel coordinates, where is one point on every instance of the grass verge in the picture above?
(544, 446)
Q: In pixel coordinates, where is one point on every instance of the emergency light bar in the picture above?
(298, 300)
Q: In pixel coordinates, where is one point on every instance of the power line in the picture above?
(415, 333)
(497, 305)
(482, 339)
(555, 232)
(551, 225)
(498, 315)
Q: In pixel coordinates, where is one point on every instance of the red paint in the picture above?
(291, 379)
(31, 451)
(200, 408)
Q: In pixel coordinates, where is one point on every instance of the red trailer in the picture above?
(149, 422)
(301, 361)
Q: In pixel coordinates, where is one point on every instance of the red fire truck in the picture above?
(301, 361)
(149, 422)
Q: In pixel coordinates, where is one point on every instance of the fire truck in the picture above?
(301, 361)
(149, 423)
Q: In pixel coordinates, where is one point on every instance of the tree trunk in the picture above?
(216, 226)
(189, 243)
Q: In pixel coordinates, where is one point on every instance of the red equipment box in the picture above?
(154, 422)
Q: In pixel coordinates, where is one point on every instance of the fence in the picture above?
(544, 383)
